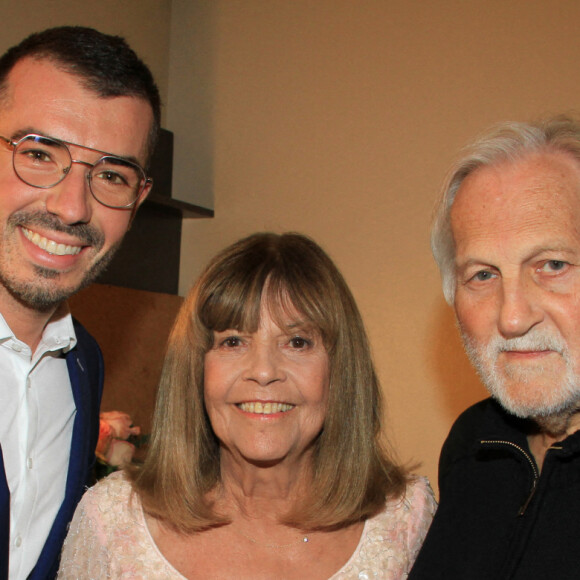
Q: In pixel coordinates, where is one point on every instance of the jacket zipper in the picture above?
(532, 464)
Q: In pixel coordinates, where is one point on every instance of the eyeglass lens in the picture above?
(44, 162)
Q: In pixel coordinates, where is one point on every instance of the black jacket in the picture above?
(498, 519)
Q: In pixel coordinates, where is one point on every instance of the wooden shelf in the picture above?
(187, 210)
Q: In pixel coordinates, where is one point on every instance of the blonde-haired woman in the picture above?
(266, 458)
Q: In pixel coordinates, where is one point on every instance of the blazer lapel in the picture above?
(77, 469)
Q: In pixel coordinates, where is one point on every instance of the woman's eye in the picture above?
(299, 342)
(231, 342)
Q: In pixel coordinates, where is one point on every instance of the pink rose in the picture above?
(120, 453)
(121, 424)
(105, 437)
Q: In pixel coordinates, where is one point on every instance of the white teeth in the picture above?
(265, 408)
(51, 246)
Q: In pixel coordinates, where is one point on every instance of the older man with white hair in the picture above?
(507, 241)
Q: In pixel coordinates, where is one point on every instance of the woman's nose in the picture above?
(264, 365)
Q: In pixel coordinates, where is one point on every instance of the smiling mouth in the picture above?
(265, 408)
(50, 246)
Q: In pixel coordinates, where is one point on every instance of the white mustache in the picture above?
(533, 341)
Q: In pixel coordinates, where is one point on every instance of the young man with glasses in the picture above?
(79, 115)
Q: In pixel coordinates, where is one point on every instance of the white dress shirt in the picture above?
(36, 421)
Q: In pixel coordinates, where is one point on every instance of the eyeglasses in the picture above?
(44, 162)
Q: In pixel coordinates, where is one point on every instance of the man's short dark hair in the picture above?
(105, 64)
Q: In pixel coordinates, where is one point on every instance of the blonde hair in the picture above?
(352, 474)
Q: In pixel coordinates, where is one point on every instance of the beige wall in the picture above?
(144, 23)
(338, 118)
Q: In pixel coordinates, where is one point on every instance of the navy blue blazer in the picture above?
(86, 372)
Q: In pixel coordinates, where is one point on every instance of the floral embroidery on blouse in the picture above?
(108, 537)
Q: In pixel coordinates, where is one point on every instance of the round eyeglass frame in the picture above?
(144, 180)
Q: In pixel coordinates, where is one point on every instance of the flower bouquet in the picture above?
(118, 441)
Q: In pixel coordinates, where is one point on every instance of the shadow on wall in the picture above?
(131, 327)
(457, 382)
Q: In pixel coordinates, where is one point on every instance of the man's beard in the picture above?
(41, 294)
(560, 398)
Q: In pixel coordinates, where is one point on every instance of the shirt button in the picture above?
(29, 463)
(18, 541)
(16, 347)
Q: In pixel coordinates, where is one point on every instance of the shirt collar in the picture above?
(58, 334)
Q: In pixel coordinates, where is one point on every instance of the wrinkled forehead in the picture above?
(517, 209)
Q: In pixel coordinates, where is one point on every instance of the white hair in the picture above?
(509, 141)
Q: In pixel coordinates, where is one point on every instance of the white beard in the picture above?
(562, 392)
